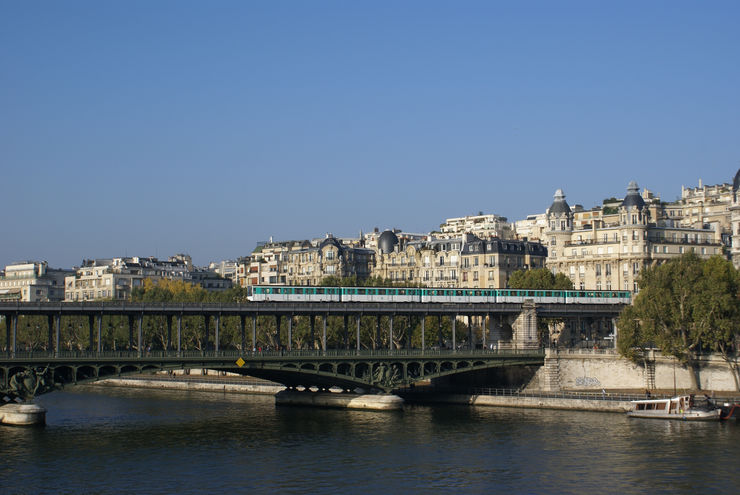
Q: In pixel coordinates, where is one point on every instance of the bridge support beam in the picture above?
(377, 334)
(140, 337)
(168, 345)
(440, 339)
(207, 319)
(358, 318)
(454, 336)
(50, 322)
(217, 333)
(470, 332)
(58, 337)
(254, 332)
(346, 332)
(312, 324)
(290, 333)
(179, 335)
(90, 327)
(130, 332)
(323, 336)
(242, 332)
(390, 332)
(12, 342)
(277, 331)
(100, 333)
(423, 336)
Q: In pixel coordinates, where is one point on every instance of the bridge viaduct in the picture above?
(30, 373)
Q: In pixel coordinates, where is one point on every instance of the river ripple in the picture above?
(103, 440)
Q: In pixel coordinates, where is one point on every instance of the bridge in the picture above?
(25, 373)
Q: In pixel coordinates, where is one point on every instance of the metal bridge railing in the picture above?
(247, 355)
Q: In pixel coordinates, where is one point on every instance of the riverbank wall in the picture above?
(585, 369)
(607, 403)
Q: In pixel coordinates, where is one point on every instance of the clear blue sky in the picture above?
(155, 127)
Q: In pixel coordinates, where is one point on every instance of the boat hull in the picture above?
(682, 416)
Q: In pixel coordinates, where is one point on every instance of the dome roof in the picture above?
(559, 205)
(633, 197)
(736, 182)
(387, 241)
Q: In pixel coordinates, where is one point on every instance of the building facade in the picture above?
(610, 252)
(32, 281)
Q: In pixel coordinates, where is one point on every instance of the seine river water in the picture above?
(106, 440)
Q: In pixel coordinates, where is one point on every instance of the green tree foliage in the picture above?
(539, 278)
(685, 306)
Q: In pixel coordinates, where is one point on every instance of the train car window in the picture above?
(319, 291)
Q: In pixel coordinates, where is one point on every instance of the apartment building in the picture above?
(609, 252)
(32, 281)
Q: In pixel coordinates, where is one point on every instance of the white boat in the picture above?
(679, 407)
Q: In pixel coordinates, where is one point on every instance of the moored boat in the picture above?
(680, 407)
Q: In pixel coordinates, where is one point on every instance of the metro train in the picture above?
(434, 295)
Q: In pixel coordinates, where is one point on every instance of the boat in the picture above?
(680, 407)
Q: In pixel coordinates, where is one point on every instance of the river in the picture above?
(107, 440)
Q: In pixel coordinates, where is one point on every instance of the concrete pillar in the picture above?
(525, 327)
(130, 332)
(486, 326)
(346, 332)
(614, 332)
(440, 339)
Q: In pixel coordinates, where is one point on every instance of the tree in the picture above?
(539, 278)
(685, 306)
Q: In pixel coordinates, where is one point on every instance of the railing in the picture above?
(258, 354)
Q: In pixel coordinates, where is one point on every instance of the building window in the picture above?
(598, 269)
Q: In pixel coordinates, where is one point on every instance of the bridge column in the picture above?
(100, 333)
(484, 328)
(440, 340)
(277, 326)
(242, 332)
(168, 346)
(14, 335)
(58, 337)
(346, 331)
(130, 332)
(470, 332)
(390, 332)
(312, 324)
(614, 331)
(254, 332)
(323, 336)
(217, 334)
(423, 335)
(90, 326)
(207, 319)
(290, 332)
(358, 318)
(50, 321)
(377, 334)
(179, 335)
(454, 337)
(140, 338)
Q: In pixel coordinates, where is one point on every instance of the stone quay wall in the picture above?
(576, 369)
